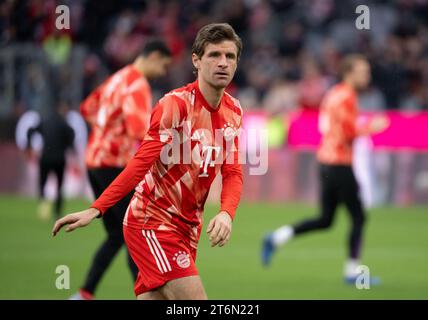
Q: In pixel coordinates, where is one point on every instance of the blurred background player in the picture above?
(118, 112)
(338, 126)
(58, 137)
(163, 223)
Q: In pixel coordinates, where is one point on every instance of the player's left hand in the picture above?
(379, 123)
(219, 229)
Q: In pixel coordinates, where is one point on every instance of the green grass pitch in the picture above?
(395, 249)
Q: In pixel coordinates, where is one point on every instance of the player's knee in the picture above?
(185, 295)
(151, 295)
(188, 288)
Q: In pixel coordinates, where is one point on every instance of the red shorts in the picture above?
(160, 255)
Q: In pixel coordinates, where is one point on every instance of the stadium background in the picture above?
(292, 52)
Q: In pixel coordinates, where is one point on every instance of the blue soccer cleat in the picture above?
(373, 281)
(268, 249)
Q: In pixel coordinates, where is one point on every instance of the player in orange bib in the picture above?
(193, 136)
(338, 126)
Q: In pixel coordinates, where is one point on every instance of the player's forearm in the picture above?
(133, 173)
(363, 129)
(232, 181)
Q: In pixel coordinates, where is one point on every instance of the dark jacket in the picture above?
(57, 136)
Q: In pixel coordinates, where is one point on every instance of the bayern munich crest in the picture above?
(229, 131)
(182, 258)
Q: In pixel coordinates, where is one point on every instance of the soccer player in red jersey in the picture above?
(118, 112)
(199, 125)
(339, 128)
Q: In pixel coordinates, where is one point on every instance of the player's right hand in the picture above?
(75, 220)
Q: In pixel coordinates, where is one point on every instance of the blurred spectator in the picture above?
(34, 88)
(415, 97)
(57, 47)
(282, 97)
(313, 85)
(371, 99)
(292, 39)
(122, 45)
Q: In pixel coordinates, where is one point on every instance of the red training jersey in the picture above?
(187, 145)
(338, 125)
(119, 114)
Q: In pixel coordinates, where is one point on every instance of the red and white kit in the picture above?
(338, 125)
(163, 222)
(118, 111)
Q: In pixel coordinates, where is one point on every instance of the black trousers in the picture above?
(338, 185)
(57, 168)
(100, 179)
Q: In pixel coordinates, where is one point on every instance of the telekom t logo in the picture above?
(207, 158)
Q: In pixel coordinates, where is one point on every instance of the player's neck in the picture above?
(140, 65)
(349, 83)
(212, 95)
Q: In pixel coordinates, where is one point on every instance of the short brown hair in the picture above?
(215, 33)
(349, 61)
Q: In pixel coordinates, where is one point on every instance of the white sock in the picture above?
(282, 235)
(351, 268)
